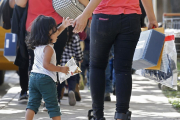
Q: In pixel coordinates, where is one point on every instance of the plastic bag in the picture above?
(73, 70)
(167, 75)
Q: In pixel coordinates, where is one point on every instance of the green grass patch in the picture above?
(178, 66)
(173, 97)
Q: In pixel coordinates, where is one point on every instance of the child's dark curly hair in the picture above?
(40, 31)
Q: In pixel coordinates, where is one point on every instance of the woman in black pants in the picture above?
(114, 22)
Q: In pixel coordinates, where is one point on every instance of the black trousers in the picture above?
(123, 31)
(23, 79)
(72, 81)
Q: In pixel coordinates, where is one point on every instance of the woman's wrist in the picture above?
(86, 15)
(151, 19)
(87, 12)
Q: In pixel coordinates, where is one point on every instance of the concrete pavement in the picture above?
(11, 79)
(147, 103)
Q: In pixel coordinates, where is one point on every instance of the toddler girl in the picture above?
(42, 83)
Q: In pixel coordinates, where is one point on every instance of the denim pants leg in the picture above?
(72, 81)
(108, 88)
(123, 31)
(113, 78)
(85, 63)
(59, 89)
(88, 81)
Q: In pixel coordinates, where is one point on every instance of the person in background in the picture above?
(85, 63)
(114, 22)
(108, 84)
(42, 84)
(72, 49)
(6, 11)
(22, 57)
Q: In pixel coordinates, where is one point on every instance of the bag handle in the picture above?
(171, 14)
(169, 38)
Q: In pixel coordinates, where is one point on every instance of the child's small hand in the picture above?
(67, 22)
(64, 69)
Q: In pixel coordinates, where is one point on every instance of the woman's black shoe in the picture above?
(91, 117)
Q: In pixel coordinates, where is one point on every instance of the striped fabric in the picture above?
(68, 8)
(38, 62)
(72, 49)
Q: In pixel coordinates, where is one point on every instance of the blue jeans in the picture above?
(123, 31)
(112, 71)
(108, 88)
(85, 63)
(72, 81)
(88, 81)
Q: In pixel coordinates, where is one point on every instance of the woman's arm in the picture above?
(11, 3)
(150, 13)
(48, 52)
(21, 3)
(81, 21)
(84, 2)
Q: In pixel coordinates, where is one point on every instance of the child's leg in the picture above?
(49, 93)
(29, 114)
(57, 118)
(34, 96)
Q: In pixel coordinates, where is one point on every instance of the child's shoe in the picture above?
(23, 96)
(72, 99)
(44, 107)
(107, 97)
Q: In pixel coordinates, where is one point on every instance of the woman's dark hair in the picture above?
(39, 34)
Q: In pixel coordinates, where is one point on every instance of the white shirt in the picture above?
(38, 62)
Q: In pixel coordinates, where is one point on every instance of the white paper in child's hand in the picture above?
(72, 70)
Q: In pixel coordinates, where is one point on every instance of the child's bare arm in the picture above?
(66, 22)
(48, 52)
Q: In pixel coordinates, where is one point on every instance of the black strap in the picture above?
(123, 116)
(120, 116)
(89, 114)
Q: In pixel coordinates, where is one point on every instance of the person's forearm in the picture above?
(60, 29)
(11, 3)
(84, 2)
(91, 7)
(21, 3)
(52, 67)
(149, 9)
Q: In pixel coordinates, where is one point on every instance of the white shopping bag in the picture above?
(167, 75)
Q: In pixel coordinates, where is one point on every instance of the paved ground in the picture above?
(11, 80)
(147, 103)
